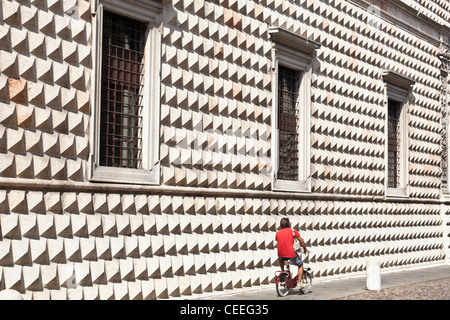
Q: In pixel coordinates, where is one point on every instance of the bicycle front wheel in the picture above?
(282, 289)
(306, 282)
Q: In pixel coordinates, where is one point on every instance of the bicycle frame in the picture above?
(290, 282)
(285, 280)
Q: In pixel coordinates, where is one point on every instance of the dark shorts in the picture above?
(297, 261)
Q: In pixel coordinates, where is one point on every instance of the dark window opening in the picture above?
(288, 115)
(121, 92)
(394, 109)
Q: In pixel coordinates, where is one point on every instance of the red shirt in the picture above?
(285, 241)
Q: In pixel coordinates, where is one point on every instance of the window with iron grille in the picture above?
(288, 114)
(126, 49)
(291, 110)
(394, 109)
(121, 91)
(397, 102)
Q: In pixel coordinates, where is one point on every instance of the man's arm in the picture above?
(302, 243)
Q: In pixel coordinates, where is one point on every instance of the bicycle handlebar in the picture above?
(302, 254)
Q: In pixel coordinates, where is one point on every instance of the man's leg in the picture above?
(300, 273)
(281, 263)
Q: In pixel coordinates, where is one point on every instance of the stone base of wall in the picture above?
(82, 245)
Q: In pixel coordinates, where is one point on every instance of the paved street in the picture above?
(339, 289)
(429, 290)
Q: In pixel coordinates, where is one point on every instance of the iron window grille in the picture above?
(121, 92)
(288, 115)
(394, 109)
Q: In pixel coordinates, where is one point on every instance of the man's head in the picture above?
(284, 223)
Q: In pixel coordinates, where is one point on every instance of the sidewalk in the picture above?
(335, 289)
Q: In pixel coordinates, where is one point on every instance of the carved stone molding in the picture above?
(444, 56)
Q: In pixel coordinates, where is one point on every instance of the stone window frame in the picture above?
(294, 52)
(149, 12)
(398, 88)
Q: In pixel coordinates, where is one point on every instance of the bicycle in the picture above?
(285, 281)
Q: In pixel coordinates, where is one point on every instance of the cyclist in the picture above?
(285, 240)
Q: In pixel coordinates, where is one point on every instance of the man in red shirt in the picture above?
(285, 240)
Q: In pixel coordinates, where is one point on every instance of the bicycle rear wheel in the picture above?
(307, 282)
(282, 289)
